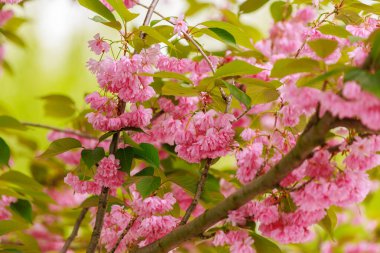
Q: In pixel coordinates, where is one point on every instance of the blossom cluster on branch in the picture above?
(298, 112)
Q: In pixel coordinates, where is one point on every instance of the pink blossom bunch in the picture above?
(238, 240)
(5, 201)
(11, 1)
(364, 29)
(206, 135)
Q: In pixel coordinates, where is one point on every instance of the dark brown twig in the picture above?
(74, 233)
(123, 234)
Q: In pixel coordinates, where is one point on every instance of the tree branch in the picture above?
(74, 233)
(79, 134)
(198, 192)
(314, 137)
(123, 234)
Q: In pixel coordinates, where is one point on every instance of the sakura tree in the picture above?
(254, 148)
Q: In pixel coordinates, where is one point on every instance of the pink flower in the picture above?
(249, 161)
(206, 135)
(108, 173)
(238, 240)
(10, 1)
(180, 25)
(5, 15)
(364, 29)
(98, 45)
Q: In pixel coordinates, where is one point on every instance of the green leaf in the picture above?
(113, 24)
(148, 153)
(323, 47)
(328, 223)
(252, 5)
(147, 185)
(14, 38)
(58, 106)
(11, 123)
(261, 91)
(170, 75)
(349, 17)
(128, 140)
(176, 89)
(97, 7)
(224, 35)
(94, 201)
(236, 68)
(148, 171)
(287, 204)
(106, 135)
(285, 67)
(369, 82)
(7, 226)
(239, 94)
(125, 155)
(92, 156)
(23, 208)
(324, 76)
(280, 10)
(122, 10)
(5, 153)
(152, 32)
(264, 245)
(60, 146)
(338, 31)
(241, 36)
(21, 180)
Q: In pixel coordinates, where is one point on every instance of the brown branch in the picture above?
(123, 234)
(148, 16)
(74, 233)
(79, 134)
(198, 192)
(305, 145)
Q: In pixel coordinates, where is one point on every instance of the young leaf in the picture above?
(236, 68)
(21, 180)
(239, 94)
(99, 8)
(152, 32)
(7, 226)
(323, 47)
(148, 153)
(113, 24)
(335, 30)
(5, 153)
(328, 223)
(125, 156)
(14, 38)
(11, 123)
(92, 156)
(260, 91)
(58, 106)
(224, 35)
(280, 10)
(252, 5)
(170, 75)
(122, 10)
(60, 146)
(284, 67)
(147, 185)
(176, 89)
(264, 245)
(24, 209)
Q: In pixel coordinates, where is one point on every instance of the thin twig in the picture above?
(79, 134)
(74, 233)
(227, 99)
(123, 234)
(198, 193)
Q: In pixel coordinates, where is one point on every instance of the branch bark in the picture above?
(310, 139)
(123, 234)
(74, 233)
(198, 192)
(79, 134)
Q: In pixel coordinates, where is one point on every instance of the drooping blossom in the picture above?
(238, 240)
(98, 45)
(180, 25)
